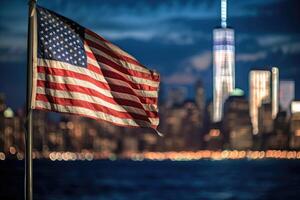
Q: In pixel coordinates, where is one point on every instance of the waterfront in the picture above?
(124, 179)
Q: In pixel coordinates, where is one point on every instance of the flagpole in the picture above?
(28, 135)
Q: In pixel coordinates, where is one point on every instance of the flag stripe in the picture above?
(93, 95)
(144, 84)
(98, 74)
(92, 106)
(58, 75)
(129, 62)
(100, 40)
(88, 98)
(130, 69)
(94, 101)
(93, 114)
(117, 77)
(131, 74)
(117, 98)
(87, 84)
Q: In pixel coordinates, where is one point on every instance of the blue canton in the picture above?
(60, 38)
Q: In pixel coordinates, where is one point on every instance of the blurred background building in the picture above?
(295, 125)
(237, 127)
(286, 94)
(259, 92)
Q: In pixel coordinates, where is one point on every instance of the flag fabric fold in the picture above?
(79, 72)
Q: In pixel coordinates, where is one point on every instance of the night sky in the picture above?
(172, 37)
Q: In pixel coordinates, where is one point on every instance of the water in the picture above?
(205, 180)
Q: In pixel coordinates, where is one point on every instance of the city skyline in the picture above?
(182, 44)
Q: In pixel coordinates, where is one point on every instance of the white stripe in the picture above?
(86, 84)
(92, 113)
(131, 78)
(92, 99)
(98, 77)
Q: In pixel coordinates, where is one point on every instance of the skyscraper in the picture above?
(286, 94)
(260, 92)
(275, 91)
(223, 63)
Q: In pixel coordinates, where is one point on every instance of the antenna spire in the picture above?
(223, 13)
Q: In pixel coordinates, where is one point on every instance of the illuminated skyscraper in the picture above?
(223, 63)
(286, 94)
(275, 91)
(260, 92)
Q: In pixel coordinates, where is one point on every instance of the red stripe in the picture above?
(111, 74)
(112, 53)
(92, 117)
(91, 92)
(90, 106)
(130, 72)
(116, 88)
(97, 36)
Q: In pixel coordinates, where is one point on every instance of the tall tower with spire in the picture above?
(223, 64)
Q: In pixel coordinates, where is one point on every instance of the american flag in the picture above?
(79, 72)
